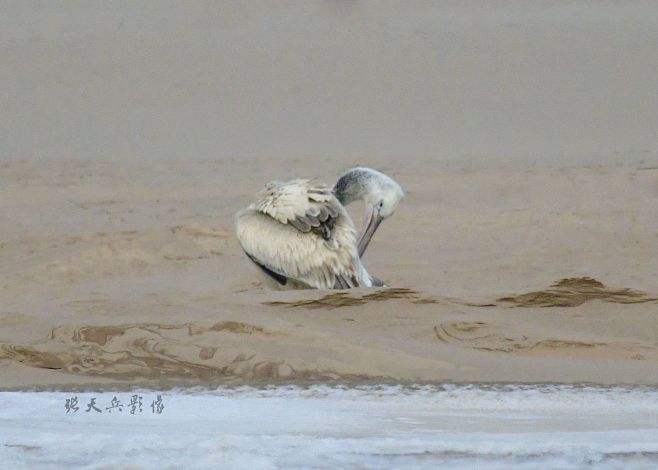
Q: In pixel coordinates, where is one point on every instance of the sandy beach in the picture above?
(524, 137)
(130, 273)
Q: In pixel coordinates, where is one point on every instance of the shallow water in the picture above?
(451, 426)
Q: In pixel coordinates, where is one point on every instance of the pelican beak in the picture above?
(373, 219)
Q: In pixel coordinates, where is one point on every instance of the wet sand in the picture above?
(116, 273)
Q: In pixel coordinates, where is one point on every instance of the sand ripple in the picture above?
(576, 291)
(149, 350)
(345, 299)
(486, 336)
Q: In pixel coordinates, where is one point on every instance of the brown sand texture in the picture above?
(122, 274)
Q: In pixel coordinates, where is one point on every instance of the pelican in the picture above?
(301, 236)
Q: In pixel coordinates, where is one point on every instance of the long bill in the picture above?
(373, 219)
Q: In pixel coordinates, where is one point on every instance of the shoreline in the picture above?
(364, 385)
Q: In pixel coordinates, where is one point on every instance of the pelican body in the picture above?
(300, 235)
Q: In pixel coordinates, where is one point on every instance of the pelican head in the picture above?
(380, 193)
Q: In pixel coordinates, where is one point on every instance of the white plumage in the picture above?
(301, 235)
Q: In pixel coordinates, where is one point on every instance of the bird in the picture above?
(301, 236)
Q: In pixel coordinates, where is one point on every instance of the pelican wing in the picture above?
(300, 231)
(307, 207)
